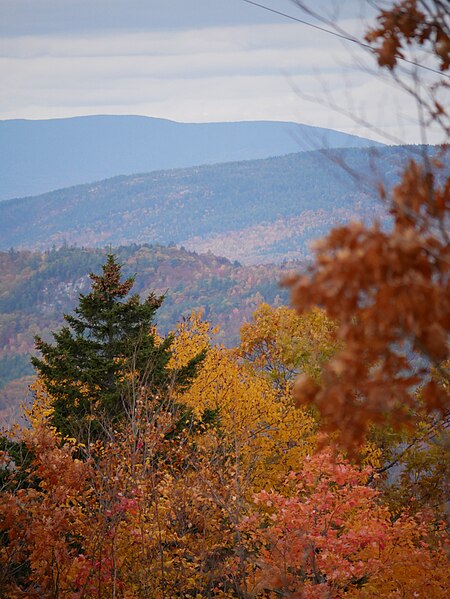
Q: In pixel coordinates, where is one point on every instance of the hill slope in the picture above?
(36, 289)
(39, 156)
(254, 211)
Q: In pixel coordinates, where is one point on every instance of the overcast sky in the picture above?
(193, 61)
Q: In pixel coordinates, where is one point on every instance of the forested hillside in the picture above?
(255, 211)
(36, 289)
(308, 458)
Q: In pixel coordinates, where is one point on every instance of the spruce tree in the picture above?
(108, 342)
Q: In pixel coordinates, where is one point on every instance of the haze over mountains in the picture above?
(40, 156)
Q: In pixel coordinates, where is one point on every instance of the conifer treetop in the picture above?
(108, 285)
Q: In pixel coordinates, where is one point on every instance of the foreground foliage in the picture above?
(389, 289)
(240, 504)
(224, 488)
(328, 535)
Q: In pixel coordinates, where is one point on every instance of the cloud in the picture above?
(245, 72)
(48, 17)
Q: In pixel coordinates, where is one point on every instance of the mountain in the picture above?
(37, 288)
(39, 156)
(252, 211)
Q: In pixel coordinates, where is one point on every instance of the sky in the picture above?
(197, 61)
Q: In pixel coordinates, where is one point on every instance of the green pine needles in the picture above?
(107, 351)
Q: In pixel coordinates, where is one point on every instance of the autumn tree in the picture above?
(388, 289)
(283, 344)
(328, 535)
(244, 506)
(107, 350)
(260, 432)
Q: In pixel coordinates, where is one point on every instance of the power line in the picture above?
(330, 31)
(339, 35)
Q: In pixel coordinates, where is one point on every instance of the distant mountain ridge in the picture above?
(41, 156)
(252, 211)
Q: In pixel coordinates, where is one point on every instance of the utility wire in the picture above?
(340, 35)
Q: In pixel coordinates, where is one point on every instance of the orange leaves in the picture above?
(41, 519)
(417, 199)
(404, 24)
(305, 390)
(327, 535)
(389, 292)
(169, 512)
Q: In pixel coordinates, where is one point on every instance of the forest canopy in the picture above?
(311, 461)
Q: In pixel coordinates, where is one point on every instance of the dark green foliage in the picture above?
(107, 350)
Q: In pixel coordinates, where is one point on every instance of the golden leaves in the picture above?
(256, 414)
(281, 344)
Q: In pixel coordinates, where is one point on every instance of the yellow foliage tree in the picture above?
(282, 344)
(258, 424)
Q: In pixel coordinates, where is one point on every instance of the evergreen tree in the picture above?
(108, 344)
